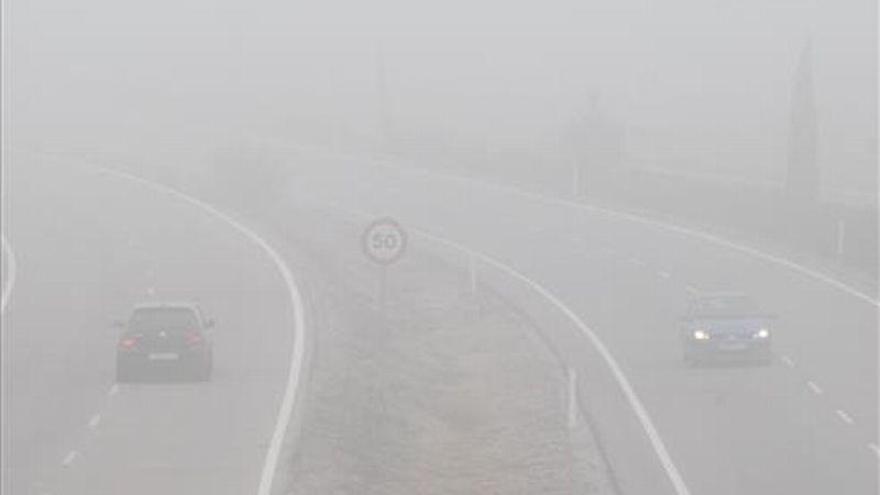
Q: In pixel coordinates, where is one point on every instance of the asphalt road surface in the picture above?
(450, 391)
(807, 424)
(444, 389)
(88, 246)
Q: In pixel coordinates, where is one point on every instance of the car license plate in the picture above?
(732, 346)
(164, 356)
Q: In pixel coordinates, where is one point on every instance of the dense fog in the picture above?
(693, 86)
(451, 247)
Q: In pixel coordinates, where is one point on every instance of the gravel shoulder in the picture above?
(444, 391)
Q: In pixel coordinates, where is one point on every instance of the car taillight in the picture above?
(128, 343)
(194, 338)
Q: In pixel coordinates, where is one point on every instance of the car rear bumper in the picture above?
(158, 364)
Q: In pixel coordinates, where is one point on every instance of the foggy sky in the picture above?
(698, 86)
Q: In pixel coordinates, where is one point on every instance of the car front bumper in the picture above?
(730, 350)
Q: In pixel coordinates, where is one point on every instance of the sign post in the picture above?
(384, 242)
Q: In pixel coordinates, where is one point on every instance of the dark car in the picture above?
(726, 327)
(164, 340)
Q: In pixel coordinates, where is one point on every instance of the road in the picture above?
(87, 247)
(807, 424)
(446, 391)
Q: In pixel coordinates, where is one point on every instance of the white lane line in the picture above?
(875, 449)
(844, 416)
(69, 458)
(297, 359)
(663, 274)
(114, 389)
(10, 274)
(814, 387)
(623, 382)
(94, 421)
(735, 246)
(637, 261)
(787, 361)
(635, 402)
(691, 290)
(632, 217)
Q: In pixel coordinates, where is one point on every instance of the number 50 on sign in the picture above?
(384, 241)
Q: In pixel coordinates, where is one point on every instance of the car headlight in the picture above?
(701, 335)
(762, 334)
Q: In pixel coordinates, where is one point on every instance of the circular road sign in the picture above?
(384, 241)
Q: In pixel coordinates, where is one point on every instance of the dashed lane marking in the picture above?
(95, 421)
(844, 417)
(70, 458)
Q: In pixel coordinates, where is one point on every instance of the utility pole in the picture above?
(384, 102)
(802, 181)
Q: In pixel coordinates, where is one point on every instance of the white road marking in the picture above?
(663, 274)
(10, 274)
(623, 382)
(787, 361)
(95, 421)
(815, 388)
(297, 360)
(635, 218)
(69, 458)
(635, 402)
(874, 448)
(735, 246)
(691, 290)
(114, 389)
(688, 232)
(637, 261)
(844, 417)
(632, 217)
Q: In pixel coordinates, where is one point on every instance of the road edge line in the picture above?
(10, 275)
(668, 226)
(285, 412)
(623, 382)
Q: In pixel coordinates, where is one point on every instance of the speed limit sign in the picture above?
(384, 241)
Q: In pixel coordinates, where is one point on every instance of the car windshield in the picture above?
(156, 319)
(726, 306)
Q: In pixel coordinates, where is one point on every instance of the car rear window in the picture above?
(154, 319)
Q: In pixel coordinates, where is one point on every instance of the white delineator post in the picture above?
(572, 398)
(472, 273)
